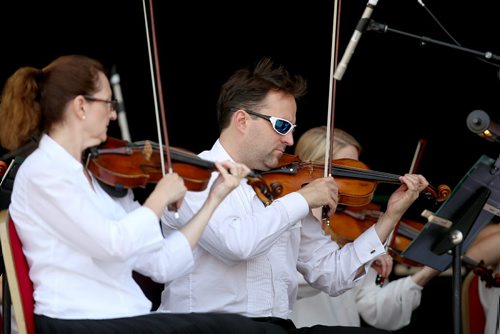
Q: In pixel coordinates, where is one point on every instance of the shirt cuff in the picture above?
(295, 205)
(368, 246)
(411, 284)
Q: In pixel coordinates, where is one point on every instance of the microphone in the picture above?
(122, 116)
(360, 28)
(479, 122)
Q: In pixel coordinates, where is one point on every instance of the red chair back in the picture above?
(20, 285)
(473, 316)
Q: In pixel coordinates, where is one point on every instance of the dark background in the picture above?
(395, 91)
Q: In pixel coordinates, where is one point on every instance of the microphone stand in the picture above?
(379, 27)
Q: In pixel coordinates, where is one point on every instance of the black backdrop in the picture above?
(395, 91)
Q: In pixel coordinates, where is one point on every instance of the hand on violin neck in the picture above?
(230, 175)
(399, 202)
(401, 199)
(321, 192)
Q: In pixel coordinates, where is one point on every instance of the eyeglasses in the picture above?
(112, 103)
(280, 125)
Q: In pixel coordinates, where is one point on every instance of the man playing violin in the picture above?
(248, 257)
(389, 308)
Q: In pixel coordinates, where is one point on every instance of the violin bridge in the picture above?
(147, 151)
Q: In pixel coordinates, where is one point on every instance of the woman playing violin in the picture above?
(81, 244)
(387, 308)
(248, 257)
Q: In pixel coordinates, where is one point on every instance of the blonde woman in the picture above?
(387, 308)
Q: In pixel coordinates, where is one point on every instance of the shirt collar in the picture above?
(57, 153)
(219, 153)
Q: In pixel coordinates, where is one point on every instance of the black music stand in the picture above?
(471, 205)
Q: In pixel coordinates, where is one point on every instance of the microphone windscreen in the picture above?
(478, 121)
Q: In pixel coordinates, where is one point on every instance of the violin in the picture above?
(356, 182)
(348, 222)
(124, 165)
(405, 231)
(480, 269)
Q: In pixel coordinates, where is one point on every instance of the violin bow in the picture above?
(337, 71)
(418, 155)
(331, 102)
(155, 69)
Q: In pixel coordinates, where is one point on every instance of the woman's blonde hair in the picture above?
(311, 145)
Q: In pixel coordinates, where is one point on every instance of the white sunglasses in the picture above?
(280, 125)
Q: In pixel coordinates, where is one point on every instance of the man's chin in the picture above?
(273, 162)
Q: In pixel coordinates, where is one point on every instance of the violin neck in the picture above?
(178, 155)
(194, 160)
(364, 174)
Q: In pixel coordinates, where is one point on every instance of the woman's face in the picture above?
(99, 112)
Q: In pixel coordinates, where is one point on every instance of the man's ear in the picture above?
(240, 119)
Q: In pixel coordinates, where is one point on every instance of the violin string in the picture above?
(364, 174)
(353, 172)
(178, 155)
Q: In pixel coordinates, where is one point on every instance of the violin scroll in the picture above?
(439, 195)
(261, 188)
(485, 273)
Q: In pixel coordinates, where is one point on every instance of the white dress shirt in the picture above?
(82, 245)
(387, 307)
(247, 259)
(490, 299)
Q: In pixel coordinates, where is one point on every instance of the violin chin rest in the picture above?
(113, 191)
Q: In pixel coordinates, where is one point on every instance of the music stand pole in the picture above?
(457, 285)
(453, 240)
